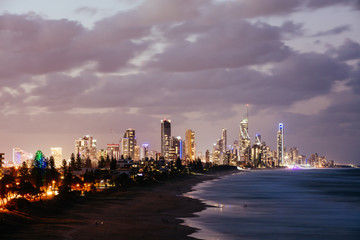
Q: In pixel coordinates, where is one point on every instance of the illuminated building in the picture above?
(20, 156)
(216, 154)
(86, 148)
(101, 153)
(207, 156)
(190, 152)
(128, 143)
(280, 144)
(144, 151)
(224, 140)
(256, 155)
(113, 151)
(136, 153)
(258, 139)
(165, 138)
(2, 158)
(56, 152)
(175, 148)
(244, 140)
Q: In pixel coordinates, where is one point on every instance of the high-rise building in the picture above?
(144, 151)
(136, 153)
(56, 152)
(86, 148)
(258, 139)
(175, 148)
(165, 137)
(2, 159)
(224, 140)
(280, 144)
(244, 140)
(190, 151)
(113, 151)
(20, 156)
(128, 143)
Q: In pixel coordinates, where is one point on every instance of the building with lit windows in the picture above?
(128, 143)
(56, 152)
(113, 151)
(86, 148)
(20, 156)
(244, 140)
(144, 151)
(190, 151)
(280, 144)
(165, 138)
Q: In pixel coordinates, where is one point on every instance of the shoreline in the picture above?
(143, 212)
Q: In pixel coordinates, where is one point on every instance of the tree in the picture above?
(178, 165)
(24, 172)
(101, 163)
(52, 175)
(107, 161)
(72, 162)
(79, 162)
(88, 163)
(6, 183)
(113, 164)
(38, 170)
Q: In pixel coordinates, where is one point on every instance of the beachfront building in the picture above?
(165, 138)
(113, 150)
(56, 152)
(244, 140)
(190, 151)
(128, 143)
(86, 147)
(280, 145)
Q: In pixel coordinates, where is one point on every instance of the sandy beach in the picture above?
(148, 212)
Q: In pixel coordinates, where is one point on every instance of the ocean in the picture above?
(280, 204)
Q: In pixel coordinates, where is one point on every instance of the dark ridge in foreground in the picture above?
(147, 211)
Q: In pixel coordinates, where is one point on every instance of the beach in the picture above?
(142, 212)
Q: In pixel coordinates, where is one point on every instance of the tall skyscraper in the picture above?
(56, 152)
(224, 140)
(244, 140)
(258, 139)
(190, 151)
(86, 147)
(165, 137)
(20, 156)
(128, 143)
(144, 151)
(113, 151)
(280, 144)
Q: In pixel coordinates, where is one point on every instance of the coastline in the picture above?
(143, 212)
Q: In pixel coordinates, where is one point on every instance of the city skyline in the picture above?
(90, 68)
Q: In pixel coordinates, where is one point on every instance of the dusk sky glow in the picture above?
(97, 68)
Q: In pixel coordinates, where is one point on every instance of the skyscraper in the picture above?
(280, 144)
(224, 140)
(244, 140)
(190, 152)
(56, 152)
(258, 139)
(86, 147)
(165, 137)
(113, 150)
(128, 143)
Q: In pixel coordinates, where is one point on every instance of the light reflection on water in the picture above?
(280, 204)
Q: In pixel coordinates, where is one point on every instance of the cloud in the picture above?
(333, 31)
(87, 10)
(349, 50)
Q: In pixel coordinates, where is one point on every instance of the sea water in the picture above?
(280, 204)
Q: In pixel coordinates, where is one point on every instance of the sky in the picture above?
(77, 68)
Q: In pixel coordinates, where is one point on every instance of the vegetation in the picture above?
(42, 178)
